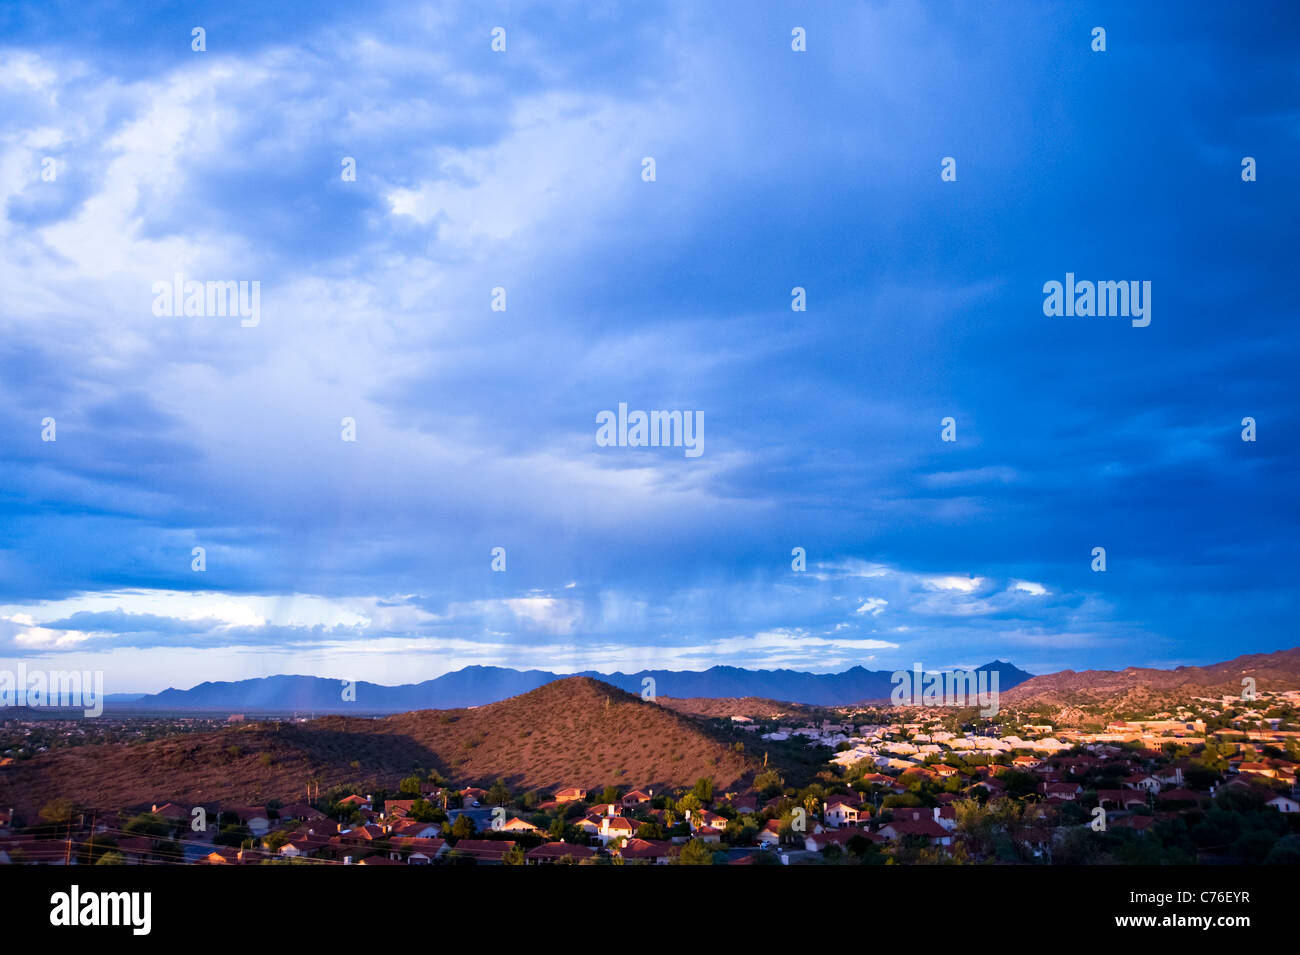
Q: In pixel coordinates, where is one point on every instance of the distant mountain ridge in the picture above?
(1135, 686)
(479, 685)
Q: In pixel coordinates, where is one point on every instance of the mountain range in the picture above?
(1141, 687)
(479, 685)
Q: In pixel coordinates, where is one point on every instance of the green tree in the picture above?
(696, 852)
(769, 783)
(515, 856)
(58, 812)
(649, 830)
(499, 794)
(688, 803)
(423, 811)
(149, 824)
(811, 805)
(410, 786)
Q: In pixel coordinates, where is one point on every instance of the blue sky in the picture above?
(476, 428)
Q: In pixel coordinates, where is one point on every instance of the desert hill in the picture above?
(575, 731)
(1137, 686)
(755, 707)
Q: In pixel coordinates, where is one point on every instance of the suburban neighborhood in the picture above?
(1212, 781)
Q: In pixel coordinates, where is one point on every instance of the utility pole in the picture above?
(67, 857)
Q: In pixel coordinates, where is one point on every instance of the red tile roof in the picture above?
(559, 850)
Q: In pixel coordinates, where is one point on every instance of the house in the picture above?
(363, 834)
(571, 794)
(355, 802)
(770, 835)
(1139, 781)
(398, 808)
(613, 828)
(553, 852)
(471, 796)
(485, 851)
(928, 829)
(912, 814)
(224, 855)
(302, 812)
(944, 816)
(703, 819)
(1259, 769)
(652, 851)
(417, 851)
(636, 798)
(745, 803)
(519, 825)
(302, 845)
(850, 798)
(1066, 791)
(840, 813)
(415, 830)
(1173, 776)
(1121, 798)
(377, 860)
(254, 817)
(1284, 804)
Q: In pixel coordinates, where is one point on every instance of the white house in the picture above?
(613, 828)
(1284, 804)
(841, 814)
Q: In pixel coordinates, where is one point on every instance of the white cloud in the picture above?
(952, 582)
(873, 605)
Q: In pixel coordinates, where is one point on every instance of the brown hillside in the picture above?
(755, 707)
(576, 731)
(1135, 685)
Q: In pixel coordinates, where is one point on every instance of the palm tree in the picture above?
(812, 804)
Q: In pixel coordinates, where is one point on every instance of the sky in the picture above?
(475, 427)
